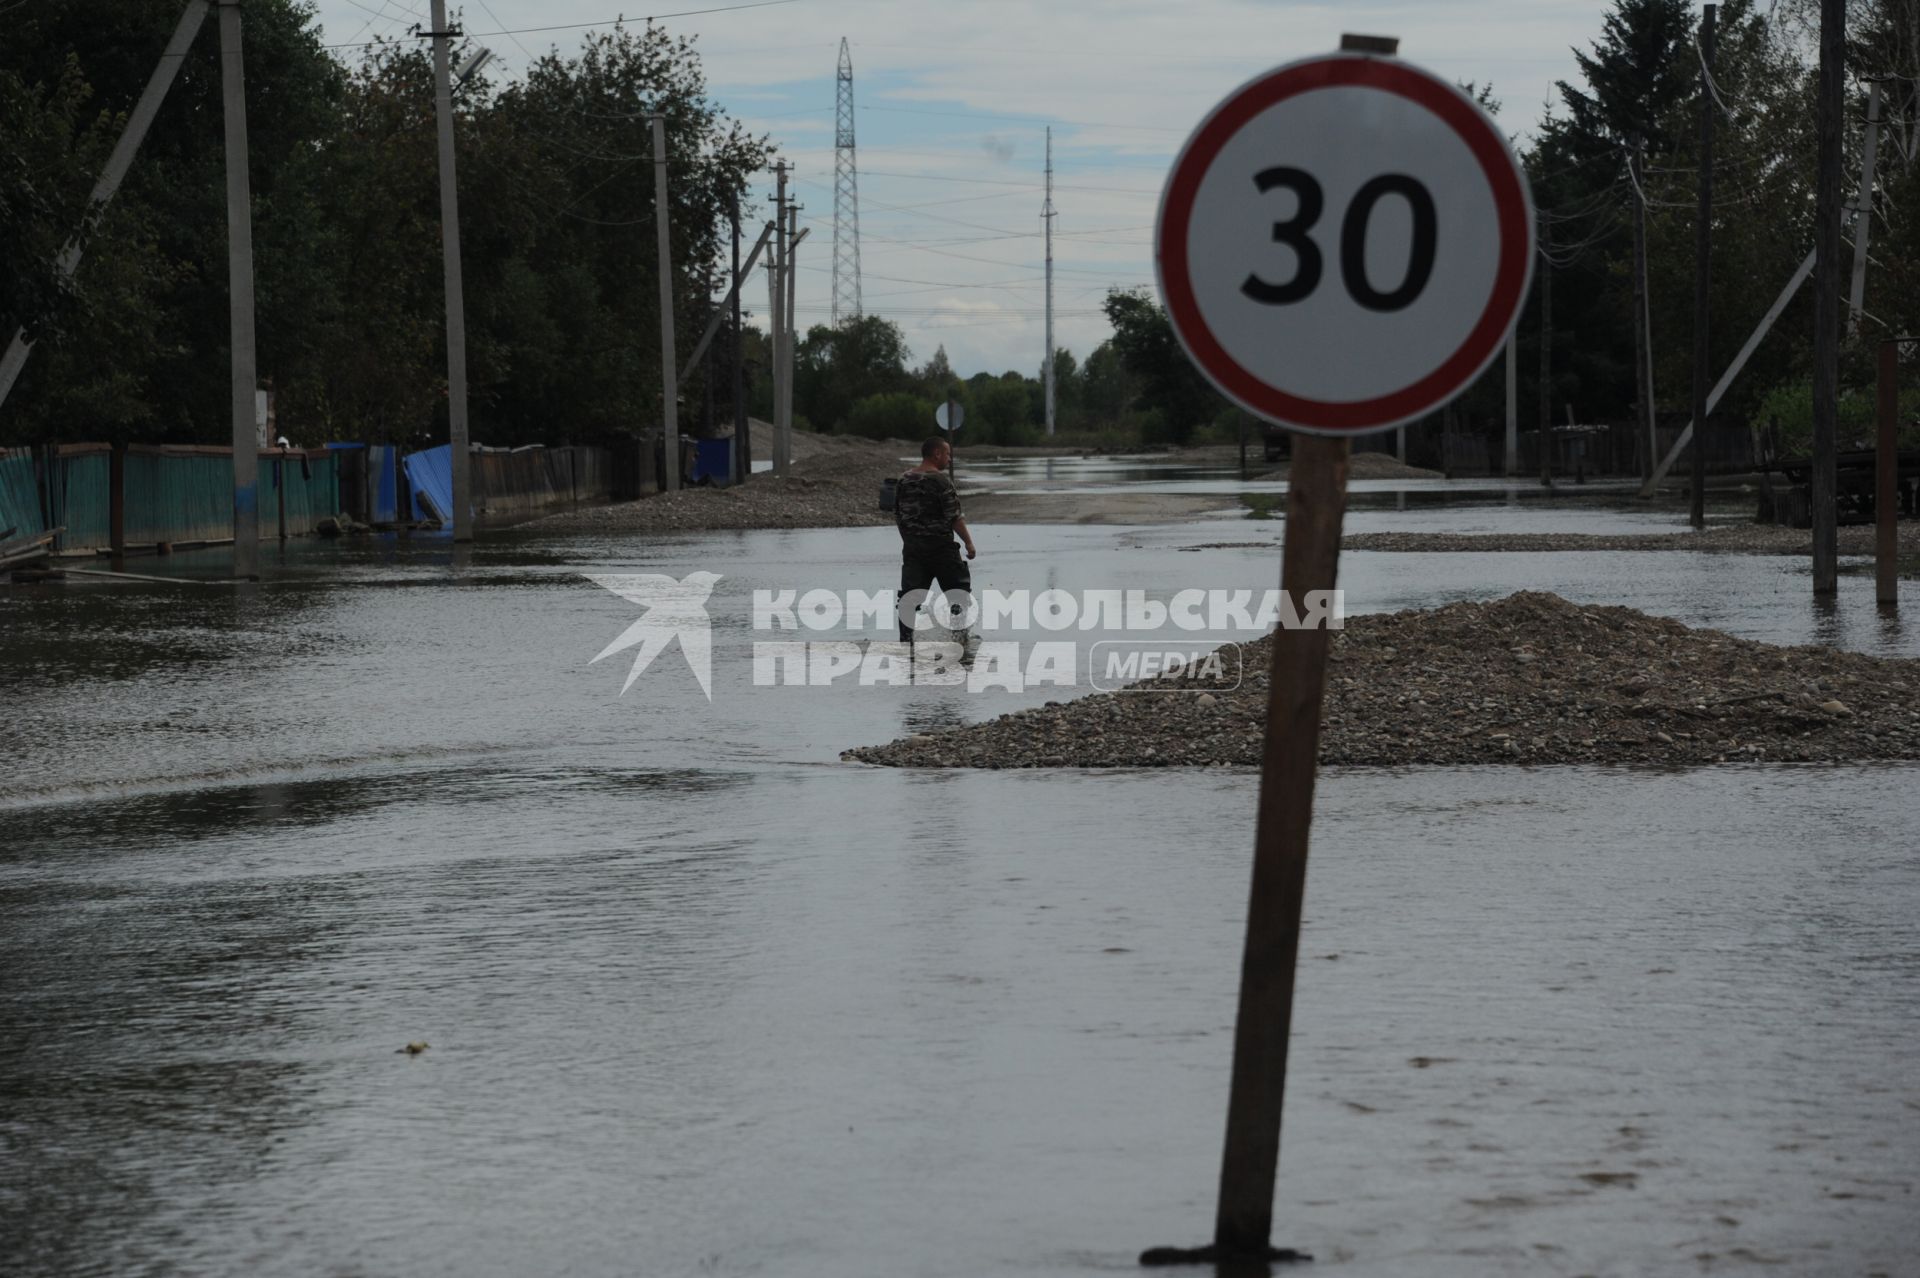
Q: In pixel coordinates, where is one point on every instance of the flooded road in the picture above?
(703, 1000)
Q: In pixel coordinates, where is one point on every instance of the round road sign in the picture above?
(1344, 243)
(959, 416)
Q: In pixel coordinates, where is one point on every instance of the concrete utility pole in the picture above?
(670, 389)
(1046, 218)
(794, 236)
(1863, 208)
(246, 442)
(1642, 304)
(742, 437)
(116, 169)
(777, 314)
(1826, 293)
(1702, 266)
(460, 458)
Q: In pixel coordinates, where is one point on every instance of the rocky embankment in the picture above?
(1529, 679)
(1751, 539)
(834, 483)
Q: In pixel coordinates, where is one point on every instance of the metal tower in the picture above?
(846, 201)
(1046, 216)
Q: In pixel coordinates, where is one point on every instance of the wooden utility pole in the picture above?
(1642, 307)
(1886, 491)
(1863, 208)
(459, 458)
(1511, 462)
(1826, 293)
(706, 369)
(1546, 354)
(670, 390)
(1702, 263)
(742, 437)
(246, 441)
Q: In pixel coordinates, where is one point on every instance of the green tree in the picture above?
(838, 365)
(141, 351)
(936, 375)
(556, 212)
(46, 170)
(1169, 383)
(890, 415)
(1000, 410)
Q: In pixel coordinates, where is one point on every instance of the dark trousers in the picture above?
(925, 560)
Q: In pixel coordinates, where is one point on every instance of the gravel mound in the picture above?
(834, 483)
(1752, 539)
(1529, 679)
(1386, 466)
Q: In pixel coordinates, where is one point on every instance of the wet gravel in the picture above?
(1753, 539)
(1529, 679)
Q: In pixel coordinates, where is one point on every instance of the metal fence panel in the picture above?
(19, 493)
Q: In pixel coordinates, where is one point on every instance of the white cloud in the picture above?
(955, 98)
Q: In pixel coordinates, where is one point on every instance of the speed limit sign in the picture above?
(1344, 243)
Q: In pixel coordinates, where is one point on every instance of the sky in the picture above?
(953, 99)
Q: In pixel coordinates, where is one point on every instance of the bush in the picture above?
(891, 415)
(1153, 428)
(1790, 406)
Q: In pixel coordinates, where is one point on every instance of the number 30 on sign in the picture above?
(1344, 244)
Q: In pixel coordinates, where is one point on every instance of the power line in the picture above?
(581, 26)
(1028, 119)
(1030, 186)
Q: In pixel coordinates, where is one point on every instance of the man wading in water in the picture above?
(926, 509)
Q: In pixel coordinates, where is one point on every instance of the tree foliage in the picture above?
(1170, 385)
(556, 224)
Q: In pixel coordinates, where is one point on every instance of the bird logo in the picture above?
(675, 609)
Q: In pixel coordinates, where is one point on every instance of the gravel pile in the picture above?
(1384, 466)
(1752, 539)
(1529, 679)
(834, 483)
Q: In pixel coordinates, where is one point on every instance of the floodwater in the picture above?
(703, 1000)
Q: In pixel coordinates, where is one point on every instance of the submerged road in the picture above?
(703, 1000)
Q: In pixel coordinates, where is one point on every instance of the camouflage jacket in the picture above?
(925, 504)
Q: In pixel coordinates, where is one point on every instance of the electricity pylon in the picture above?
(846, 201)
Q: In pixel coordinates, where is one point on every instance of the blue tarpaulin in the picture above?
(713, 461)
(430, 472)
(383, 483)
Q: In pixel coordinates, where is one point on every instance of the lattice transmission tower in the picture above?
(846, 201)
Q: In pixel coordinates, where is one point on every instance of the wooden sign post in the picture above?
(1273, 282)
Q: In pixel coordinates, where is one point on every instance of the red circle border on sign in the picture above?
(1511, 205)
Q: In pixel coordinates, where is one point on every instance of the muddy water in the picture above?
(702, 1000)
